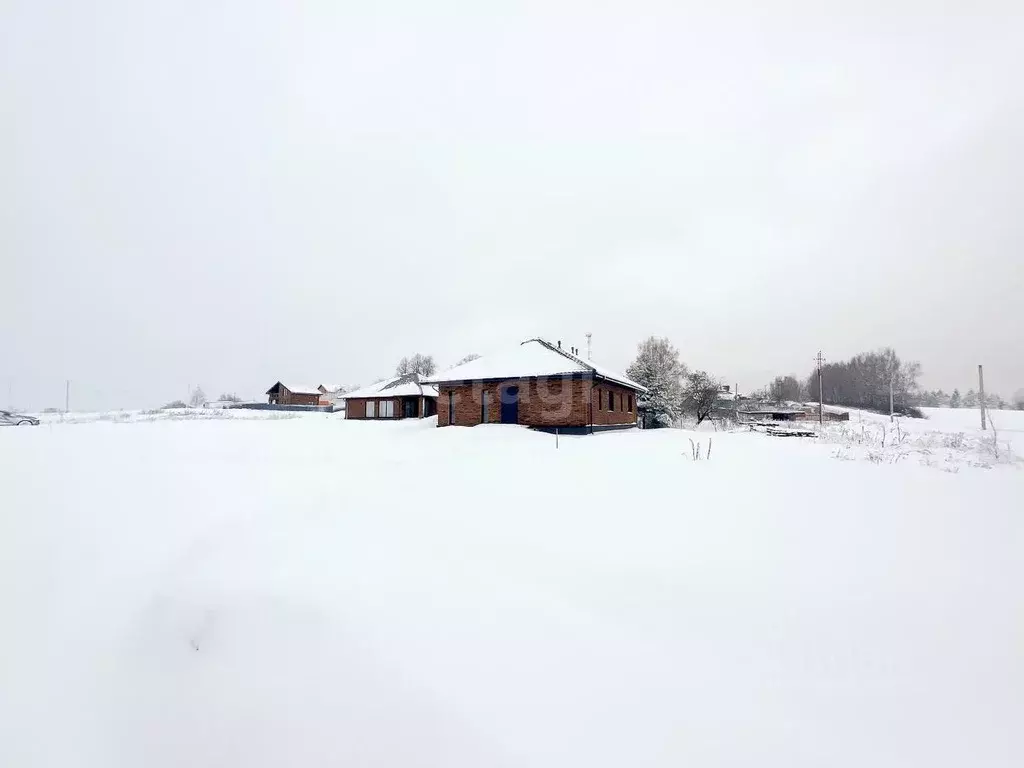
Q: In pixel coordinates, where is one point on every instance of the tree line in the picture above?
(866, 380)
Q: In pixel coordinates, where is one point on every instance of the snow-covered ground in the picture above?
(315, 592)
(162, 414)
(948, 439)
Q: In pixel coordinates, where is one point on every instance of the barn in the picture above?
(537, 384)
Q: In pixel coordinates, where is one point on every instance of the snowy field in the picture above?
(947, 439)
(307, 592)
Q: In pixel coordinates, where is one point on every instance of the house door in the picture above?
(409, 408)
(510, 405)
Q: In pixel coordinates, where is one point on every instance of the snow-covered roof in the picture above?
(409, 385)
(534, 357)
(298, 389)
(332, 387)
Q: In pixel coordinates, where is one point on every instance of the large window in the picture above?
(485, 403)
(611, 401)
(451, 407)
(630, 403)
(371, 409)
(387, 409)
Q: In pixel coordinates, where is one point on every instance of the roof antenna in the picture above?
(589, 334)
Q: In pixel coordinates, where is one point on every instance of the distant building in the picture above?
(332, 394)
(404, 397)
(537, 384)
(294, 394)
(784, 412)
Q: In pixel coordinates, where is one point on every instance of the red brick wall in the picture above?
(543, 402)
(620, 413)
(356, 408)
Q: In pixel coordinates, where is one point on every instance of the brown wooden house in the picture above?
(537, 384)
(293, 394)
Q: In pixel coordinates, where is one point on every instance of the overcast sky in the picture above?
(232, 193)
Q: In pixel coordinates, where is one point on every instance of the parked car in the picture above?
(8, 419)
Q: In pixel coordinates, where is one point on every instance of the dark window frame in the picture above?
(451, 408)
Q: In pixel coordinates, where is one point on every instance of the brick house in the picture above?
(540, 385)
(404, 397)
(293, 394)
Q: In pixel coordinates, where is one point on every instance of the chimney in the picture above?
(559, 343)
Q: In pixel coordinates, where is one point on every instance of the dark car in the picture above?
(8, 419)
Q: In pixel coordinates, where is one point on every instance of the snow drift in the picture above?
(318, 592)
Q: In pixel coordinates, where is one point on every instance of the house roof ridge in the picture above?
(564, 353)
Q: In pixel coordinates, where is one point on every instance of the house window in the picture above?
(600, 400)
(611, 401)
(387, 409)
(451, 407)
(371, 409)
(630, 403)
(484, 405)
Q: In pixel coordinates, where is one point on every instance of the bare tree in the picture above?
(197, 398)
(785, 388)
(421, 364)
(175, 404)
(1018, 399)
(229, 397)
(468, 359)
(699, 394)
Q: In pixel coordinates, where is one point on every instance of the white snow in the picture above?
(531, 358)
(312, 591)
(388, 388)
(948, 439)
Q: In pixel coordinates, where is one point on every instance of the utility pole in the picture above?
(821, 407)
(588, 344)
(981, 396)
(67, 394)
